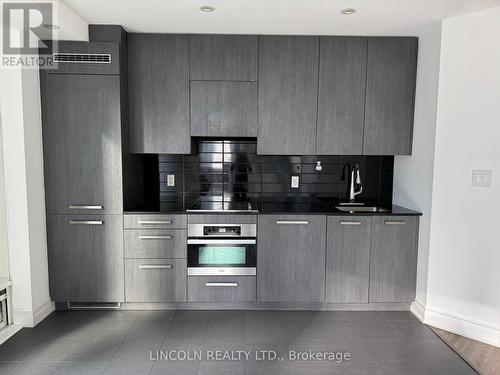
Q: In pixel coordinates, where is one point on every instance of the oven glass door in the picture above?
(221, 253)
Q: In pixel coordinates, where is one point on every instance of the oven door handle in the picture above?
(221, 242)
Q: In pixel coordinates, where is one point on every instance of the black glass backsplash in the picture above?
(231, 170)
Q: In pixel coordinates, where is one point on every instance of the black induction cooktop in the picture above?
(210, 206)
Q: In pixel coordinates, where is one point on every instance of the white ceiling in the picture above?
(374, 17)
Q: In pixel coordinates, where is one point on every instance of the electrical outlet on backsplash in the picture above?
(231, 170)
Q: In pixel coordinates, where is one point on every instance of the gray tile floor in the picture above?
(121, 342)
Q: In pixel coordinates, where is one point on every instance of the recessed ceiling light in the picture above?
(348, 11)
(207, 8)
(50, 26)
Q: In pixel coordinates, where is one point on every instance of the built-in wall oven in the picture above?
(222, 249)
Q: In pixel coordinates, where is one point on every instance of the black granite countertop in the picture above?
(306, 208)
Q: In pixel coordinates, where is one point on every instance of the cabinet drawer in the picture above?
(154, 243)
(222, 289)
(222, 219)
(155, 280)
(154, 221)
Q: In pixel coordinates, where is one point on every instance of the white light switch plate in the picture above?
(481, 177)
(295, 182)
(171, 180)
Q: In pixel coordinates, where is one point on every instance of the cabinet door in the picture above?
(348, 259)
(82, 143)
(341, 95)
(291, 258)
(86, 258)
(224, 57)
(158, 81)
(155, 280)
(223, 109)
(393, 258)
(390, 96)
(288, 84)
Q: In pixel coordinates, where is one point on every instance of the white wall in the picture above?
(464, 261)
(4, 255)
(25, 206)
(413, 174)
(24, 188)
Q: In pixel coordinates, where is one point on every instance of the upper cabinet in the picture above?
(288, 90)
(82, 143)
(390, 96)
(341, 95)
(224, 57)
(158, 78)
(299, 95)
(223, 109)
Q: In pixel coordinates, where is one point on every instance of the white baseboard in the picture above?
(30, 318)
(8, 332)
(462, 326)
(417, 309)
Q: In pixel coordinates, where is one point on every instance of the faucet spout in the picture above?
(355, 184)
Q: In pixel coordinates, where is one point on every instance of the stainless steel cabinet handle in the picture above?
(394, 222)
(350, 223)
(85, 207)
(154, 266)
(151, 222)
(143, 237)
(86, 222)
(292, 222)
(222, 284)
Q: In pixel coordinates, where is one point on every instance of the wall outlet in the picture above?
(170, 180)
(295, 182)
(481, 177)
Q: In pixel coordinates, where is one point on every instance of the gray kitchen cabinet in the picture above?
(287, 103)
(158, 86)
(390, 96)
(86, 258)
(155, 221)
(155, 243)
(224, 57)
(221, 289)
(291, 258)
(82, 143)
(393, 258)
(348, 259)
(155, 280)
(341, 95)
(223, 109)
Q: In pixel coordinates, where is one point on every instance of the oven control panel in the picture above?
(230, 230)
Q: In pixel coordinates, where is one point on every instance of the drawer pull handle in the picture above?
(153, 222)
(394, 222)
(86, 222)
(222, 284)
(155, 266)
(85, 207)
(143, 237)
(350, 223)
(292, 222)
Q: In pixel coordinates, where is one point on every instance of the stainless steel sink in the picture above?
(361, 209)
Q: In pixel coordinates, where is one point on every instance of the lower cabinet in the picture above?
(291, 258)
(86, 258)
(155, 243)
(221, 288)
(348, 259)
(155, 280)
(393, 258)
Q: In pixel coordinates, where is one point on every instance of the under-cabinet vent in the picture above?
(93, 305)
(83, 58)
